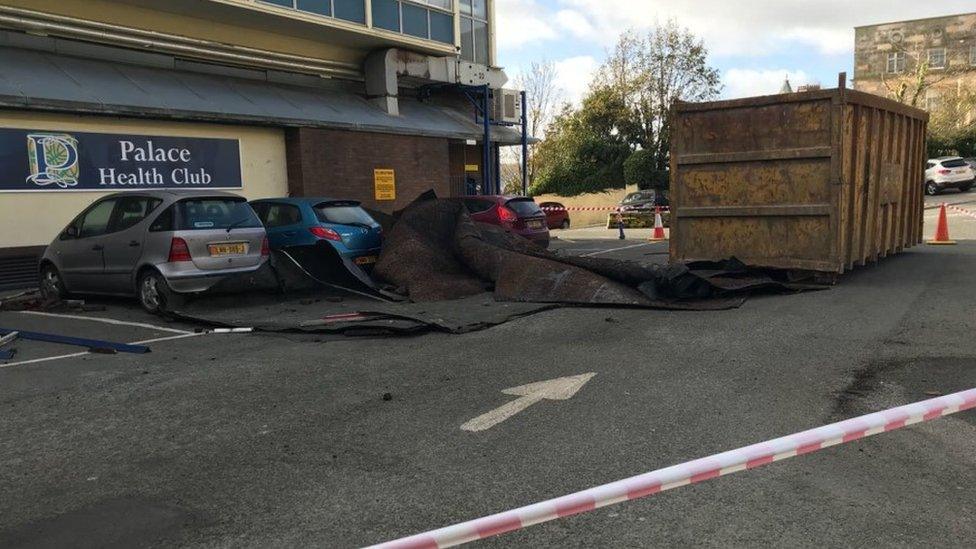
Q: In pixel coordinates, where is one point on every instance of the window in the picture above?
(937, 58)
(896, 62)
(972, 56)
(131, 210)
(321, 7)
(95, 221)
(203, 214)
(386, 14)
(413, 17)
(474, 31)
(348, 10)
(280, 215)
(932, 100)
(163, 222)
(344, 213)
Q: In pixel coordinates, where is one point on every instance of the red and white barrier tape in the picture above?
(598, 209)
(691, 472)
(963, 211)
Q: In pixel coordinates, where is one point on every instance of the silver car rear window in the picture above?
(205, 214)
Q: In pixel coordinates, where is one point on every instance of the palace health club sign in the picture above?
(75, 161)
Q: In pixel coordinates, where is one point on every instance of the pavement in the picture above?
(271, 441)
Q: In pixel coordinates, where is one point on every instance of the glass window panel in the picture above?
(320, 7)
(285, 3)
(415, 21)
(479, 8)
(481, 42)
(386, 15)
(466, 7)
(350, 10)
(441, 27)
(467, 40)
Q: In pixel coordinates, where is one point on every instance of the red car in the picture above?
(518, 215)
(556, 215)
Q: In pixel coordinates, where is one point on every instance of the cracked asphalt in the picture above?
(270, 441)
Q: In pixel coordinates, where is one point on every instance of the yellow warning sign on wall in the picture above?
(472, 168)
(384, 184)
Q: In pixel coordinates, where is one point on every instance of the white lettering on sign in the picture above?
(151, 153)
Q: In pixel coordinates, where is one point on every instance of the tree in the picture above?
(651, 72)
(639, 169)
(583, 151)
(628, 108)
(543, 97)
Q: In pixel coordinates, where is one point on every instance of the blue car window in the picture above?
(282, 215)
(343, 214)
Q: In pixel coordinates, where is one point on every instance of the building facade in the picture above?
(888, 56)
(373, 100)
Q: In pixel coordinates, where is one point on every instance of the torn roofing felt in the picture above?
(436, 252)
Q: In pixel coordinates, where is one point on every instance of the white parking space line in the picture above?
(109, 321)
(618, 249)
(83, 353)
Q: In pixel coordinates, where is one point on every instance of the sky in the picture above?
(754, 44)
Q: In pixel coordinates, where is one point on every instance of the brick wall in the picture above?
(340, 164)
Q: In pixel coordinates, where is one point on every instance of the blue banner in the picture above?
(58, 161)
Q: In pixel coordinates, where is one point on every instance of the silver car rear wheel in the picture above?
(52, 287)
(155, 295)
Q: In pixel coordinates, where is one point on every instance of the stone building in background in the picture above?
(887, 56)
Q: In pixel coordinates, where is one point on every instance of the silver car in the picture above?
(157, 245)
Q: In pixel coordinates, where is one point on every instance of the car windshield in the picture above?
(343, 213)
(955, 163)
(639, 197)
(201, 214)
(524, 207)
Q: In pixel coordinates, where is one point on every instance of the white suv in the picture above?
(948, 172)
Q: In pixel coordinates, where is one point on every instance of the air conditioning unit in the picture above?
(507, 106)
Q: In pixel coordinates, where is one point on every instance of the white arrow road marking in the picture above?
(563, 388)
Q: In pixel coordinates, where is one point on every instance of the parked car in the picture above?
(557, 217)
(644, 201)
(158, 246)
(342, 224)
(948, 172)
(518, 215)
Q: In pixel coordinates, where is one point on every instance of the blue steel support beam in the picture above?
(525, 145)
(486, 144)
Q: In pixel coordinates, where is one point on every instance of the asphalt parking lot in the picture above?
(291, 440)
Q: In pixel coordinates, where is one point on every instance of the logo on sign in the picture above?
(53, 159)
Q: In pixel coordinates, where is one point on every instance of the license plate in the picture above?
(233, 248)
(366, 260)
(535, 224)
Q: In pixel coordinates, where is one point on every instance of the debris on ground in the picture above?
(90, 344)
(436, 252)
(33, 300)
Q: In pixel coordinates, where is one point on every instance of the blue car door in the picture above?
(283, 222)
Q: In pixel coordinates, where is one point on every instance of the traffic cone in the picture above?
(658, 235)
(942, 230)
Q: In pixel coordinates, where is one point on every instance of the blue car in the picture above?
(309, 222)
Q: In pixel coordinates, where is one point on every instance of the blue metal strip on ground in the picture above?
(78, 341)
(6, 355)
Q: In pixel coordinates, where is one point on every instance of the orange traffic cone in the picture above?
(942, 230)
(658, 235)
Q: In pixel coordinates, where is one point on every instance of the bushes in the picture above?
(639, 169)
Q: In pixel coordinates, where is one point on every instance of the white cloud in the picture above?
(750, 82)
(575, 23)
(751, 27)
(574, 75)
(521, 22)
